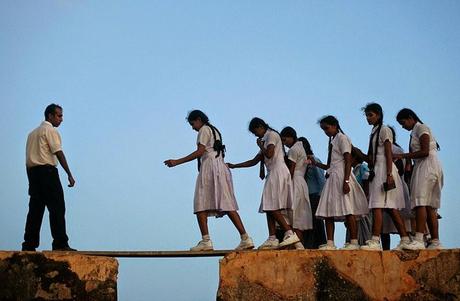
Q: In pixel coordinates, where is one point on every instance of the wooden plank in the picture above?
(157, 254)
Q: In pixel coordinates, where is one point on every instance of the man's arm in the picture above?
(62, 160)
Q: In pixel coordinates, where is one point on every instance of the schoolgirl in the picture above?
(277, 196)
(342, 197)
(361, 172)
(385, 187)
(297, 164)
(315, 179)
(427, 177)
(214, 195)
(406, 213)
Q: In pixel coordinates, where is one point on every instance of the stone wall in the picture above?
(340, 275)
(57, 276)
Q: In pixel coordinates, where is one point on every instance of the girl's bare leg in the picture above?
(352, 226)
(279, 218)
(330, 228)
(236, 220)
(398, 221)
(433, 224)
(377, 215)
(202, 218)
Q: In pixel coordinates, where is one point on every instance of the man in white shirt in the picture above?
(43, 151)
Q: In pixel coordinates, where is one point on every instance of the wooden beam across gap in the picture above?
(156, 254)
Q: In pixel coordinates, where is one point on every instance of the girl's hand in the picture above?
(390, 180)
(230, 165)
(170, 162)
(346, 187)
(397, 157)
(260, 143)
(311, 160)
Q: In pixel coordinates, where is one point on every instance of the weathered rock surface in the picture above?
(340, 275)
(57, 276)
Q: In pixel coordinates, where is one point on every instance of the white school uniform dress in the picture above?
(278, 189)
(214, 186)
(378, 197)
(333, 202)
(427, 177)
(406, 212)
(301, 209)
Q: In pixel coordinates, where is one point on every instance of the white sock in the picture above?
(288, 233)
(206, 237)
(330, 242)
(436, 240)
(375, 237)
(244, 236)
(419, 236)
(272, 237)
(354, 241)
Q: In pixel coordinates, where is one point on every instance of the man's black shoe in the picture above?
(68, 249)
(28, 249)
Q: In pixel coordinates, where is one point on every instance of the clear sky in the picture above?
(128, 72)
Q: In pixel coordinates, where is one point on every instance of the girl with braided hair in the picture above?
(342, 198)
(214, 195)
(427, 177)
(385, 187)
(277, 196)
(301, 217)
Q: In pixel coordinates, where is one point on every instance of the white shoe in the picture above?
(413, 245)
(245, 244)
(269, 244)
(203, 245)
(435, 245)
(299, 246)
(289, 240)
(402, 245)
(327, 247)
(350, 246)
(372, 245)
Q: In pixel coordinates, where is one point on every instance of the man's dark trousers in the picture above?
(45, 190)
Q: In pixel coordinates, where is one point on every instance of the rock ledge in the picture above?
(340, 275)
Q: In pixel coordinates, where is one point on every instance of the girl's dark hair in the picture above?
(218, 145)
(354, 155)
(393, 133)
(399, 163)
(289, 132)
(377, 109)
(408, 113)
(330, 120)
(306, 146)
(257, 122)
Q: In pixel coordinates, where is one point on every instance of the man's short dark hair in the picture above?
(51, 109)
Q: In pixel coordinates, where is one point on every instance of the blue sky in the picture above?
(127, 73)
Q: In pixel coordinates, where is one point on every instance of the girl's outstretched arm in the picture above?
(317, 164)
(196, 154)
(422, 153)
(248, 163)
(360, 154)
